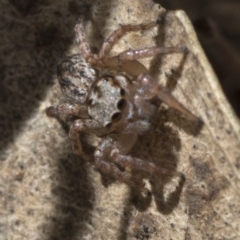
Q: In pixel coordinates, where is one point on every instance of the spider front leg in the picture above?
(87, 126)
(111, 149)
(68, 109)
(102, 154)
(111, 169)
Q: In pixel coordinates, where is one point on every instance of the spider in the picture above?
(114, 98)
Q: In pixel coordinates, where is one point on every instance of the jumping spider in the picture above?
(114, 98)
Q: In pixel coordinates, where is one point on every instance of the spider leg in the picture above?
(127, 60)
(68, 109)
(137, 163)
(114, 171)
(83, 43)
(151, 90)
(100, 156)
(117, 34)
(83, 125)
(131, 54)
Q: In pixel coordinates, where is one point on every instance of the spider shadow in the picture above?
(75, 185)
(160, 146)
(163, 137)
(189, 126)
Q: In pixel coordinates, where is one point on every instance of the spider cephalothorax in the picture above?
(114, 98)
(107, 99)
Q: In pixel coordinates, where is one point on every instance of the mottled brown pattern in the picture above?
(117, 102)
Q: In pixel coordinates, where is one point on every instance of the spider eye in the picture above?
(121, 104)
(116, 117)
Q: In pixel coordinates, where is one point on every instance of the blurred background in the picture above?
(217, 24)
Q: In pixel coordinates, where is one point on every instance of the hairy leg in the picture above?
(68, 109)
(139, 164)
(83, 43)
(115, 172)
(83, 125)
(127, 60)
(101, 154)
(131, 54)
(120, 32)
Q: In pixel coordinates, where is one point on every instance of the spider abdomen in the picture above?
(75, 76)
